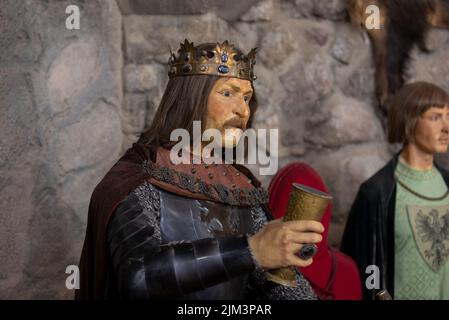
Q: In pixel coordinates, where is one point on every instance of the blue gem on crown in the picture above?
(224, 58)
(223, 69)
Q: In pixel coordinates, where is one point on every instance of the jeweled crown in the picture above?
(222, 60)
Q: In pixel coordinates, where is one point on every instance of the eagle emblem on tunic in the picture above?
(430, 227)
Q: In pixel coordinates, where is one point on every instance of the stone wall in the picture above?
(61, 104)
(73, 101)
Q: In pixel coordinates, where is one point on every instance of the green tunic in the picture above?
(418, 277)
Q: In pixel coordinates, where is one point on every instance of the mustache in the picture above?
(235, 122)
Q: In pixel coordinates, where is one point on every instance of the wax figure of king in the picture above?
(399, 221)
(196, 230)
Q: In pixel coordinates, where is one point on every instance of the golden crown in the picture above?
(224, 60)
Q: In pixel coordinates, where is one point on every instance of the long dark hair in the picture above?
(184, 101)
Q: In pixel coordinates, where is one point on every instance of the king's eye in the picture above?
(226, 93)
(247, 98)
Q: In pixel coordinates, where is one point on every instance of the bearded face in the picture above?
(228, 109)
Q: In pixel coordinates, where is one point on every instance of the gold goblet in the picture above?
(304, 203)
